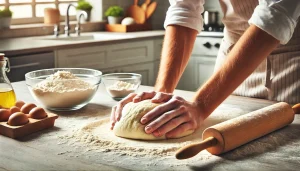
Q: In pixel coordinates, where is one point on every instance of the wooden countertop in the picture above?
(41, 151)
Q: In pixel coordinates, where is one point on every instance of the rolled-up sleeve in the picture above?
(277, 17)
(186, 13)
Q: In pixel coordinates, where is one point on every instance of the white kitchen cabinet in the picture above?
(201, 64)
(106, 56)
(145, 69)
(187, 80)
(140, 56)
(203, 70)
(158, 43)
(23, 63)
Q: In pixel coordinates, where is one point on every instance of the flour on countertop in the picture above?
(98, 136)
(85, 141)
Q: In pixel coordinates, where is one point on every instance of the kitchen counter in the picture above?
(27, 45)
(42, 151)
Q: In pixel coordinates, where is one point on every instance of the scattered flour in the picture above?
(98, 137)
(62, 90)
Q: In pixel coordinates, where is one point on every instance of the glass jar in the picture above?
(7, 94)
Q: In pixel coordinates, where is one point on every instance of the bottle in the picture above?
(7, 94)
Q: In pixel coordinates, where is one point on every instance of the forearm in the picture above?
(251, 49)
(177, 48)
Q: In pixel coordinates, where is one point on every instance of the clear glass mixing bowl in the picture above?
(67, 98)
(119, 85)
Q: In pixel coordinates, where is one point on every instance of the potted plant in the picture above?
(114, 14)
(83, 5)
(5, 18)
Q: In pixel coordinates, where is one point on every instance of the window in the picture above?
(32, 11)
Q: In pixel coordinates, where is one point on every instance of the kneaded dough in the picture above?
(129, 125)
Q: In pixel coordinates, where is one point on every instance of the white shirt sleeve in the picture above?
(277, 17)
(186, 13)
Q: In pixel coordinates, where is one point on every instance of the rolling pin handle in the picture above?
(296, 108)
(193, 149)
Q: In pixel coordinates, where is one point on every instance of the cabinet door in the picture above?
(106, 56)
(145, 69)
(20, 65)
(87, 57)
(187, 80)
(158, 43)
(203, 69)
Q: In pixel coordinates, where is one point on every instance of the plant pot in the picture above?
(114, 20)
(5, 22)
(82, 19)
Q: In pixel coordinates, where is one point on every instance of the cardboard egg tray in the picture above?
(32, 126)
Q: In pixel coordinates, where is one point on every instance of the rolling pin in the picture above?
(235, 132)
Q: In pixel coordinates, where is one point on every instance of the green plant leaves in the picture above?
(5, 13)
(115, 11)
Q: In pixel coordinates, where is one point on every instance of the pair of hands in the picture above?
(173, 117)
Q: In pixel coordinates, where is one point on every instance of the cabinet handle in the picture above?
(217, 45)
(207, 45)
(25, 65)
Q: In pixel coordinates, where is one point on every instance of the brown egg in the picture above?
(26, 108)
(14, 109)
(4, 114)
(19, 104)
(37, 113)
(17, 119)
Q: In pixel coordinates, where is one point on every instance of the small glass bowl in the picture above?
(119, 85)
(67, 100)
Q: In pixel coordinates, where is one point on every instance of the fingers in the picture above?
(159, 110)
(166, 117)
(143, 95)
(180, 130)
(121, 104)
(172, 124)
(161, 97)
(112, 117)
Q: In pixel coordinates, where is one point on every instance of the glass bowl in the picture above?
(119, 85)
(63, 93)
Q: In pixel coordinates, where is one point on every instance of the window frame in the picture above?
(34, 18)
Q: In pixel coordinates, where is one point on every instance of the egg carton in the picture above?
(32, 126)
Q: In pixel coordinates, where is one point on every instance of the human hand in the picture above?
(156, 97)
(172, 118)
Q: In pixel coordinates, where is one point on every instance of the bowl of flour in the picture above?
(119, 85)
(63, 89)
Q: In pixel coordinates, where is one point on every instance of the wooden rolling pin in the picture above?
(233, 133)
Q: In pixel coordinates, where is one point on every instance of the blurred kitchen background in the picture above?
(30, 44)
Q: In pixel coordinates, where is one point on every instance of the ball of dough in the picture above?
(129, 125)
(128, 21)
